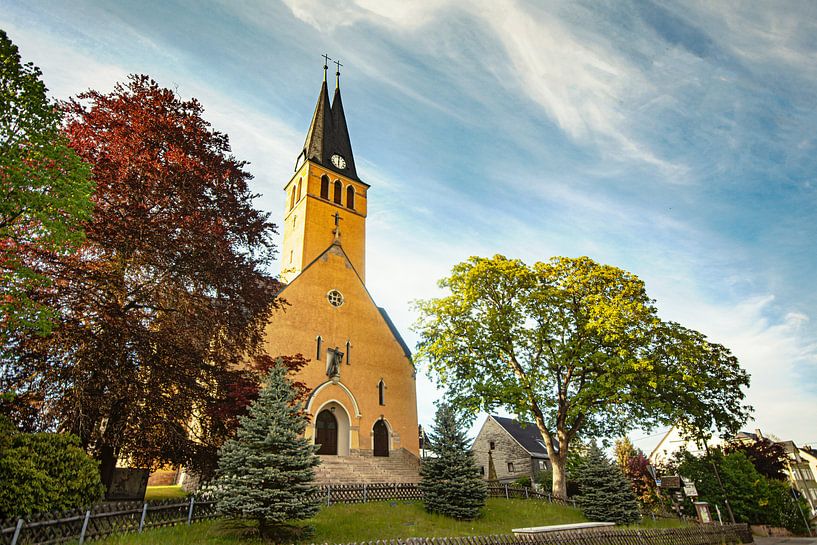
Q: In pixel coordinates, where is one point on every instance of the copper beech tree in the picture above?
(577, 347)
(166, 300)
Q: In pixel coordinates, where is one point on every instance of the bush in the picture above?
(45, 472)
(522, 482)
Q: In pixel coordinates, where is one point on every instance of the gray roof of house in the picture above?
(526, 434)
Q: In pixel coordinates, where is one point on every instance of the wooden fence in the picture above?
(106, 519)
(731, 534)
(102, 520)
(362, 493)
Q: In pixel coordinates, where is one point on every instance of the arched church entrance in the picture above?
(326, 432)
(381, 438)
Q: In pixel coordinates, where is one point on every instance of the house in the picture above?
(799, 466)
(673, 442)
(507, 450)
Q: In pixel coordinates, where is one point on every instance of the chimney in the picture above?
(759, 433)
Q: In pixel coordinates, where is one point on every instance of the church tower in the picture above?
(363, 402)
(325, 198)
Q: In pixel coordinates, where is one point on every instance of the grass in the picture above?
(361, 522)
(164, 492)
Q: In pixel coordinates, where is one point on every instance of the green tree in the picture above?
(44, 472)
(754, 498)
(45, 191)
(578, 348)
(265, 473)
(606, 494)
(450, 480)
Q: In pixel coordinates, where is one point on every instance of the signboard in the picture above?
(704, 515)
(689, 488)
(671, 481)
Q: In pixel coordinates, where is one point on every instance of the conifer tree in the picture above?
(451, 483)
(265, 473)
(606, 494)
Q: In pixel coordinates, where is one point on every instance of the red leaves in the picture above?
(167, 297)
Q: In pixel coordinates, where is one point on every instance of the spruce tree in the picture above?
(265, 473)
(451, 483)
(606, 494)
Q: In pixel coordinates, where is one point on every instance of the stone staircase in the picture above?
(399, 467)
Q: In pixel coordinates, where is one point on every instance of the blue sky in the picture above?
(673, 140)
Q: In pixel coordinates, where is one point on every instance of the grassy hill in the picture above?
(370, 521)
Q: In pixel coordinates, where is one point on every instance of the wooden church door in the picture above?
(381, 438)
(326, 434)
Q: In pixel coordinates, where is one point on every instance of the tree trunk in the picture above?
(107, 463)
(559, 476)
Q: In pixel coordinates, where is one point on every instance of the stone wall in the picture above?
(506, 451)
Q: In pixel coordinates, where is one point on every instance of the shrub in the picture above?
(45, 472)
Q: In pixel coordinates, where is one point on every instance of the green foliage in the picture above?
(575, 346)
(523, 482)
(45, 472)
(768, 457)
(754, 498)
(265, 473)
(606, 494)
(45, 191)
(451, 482)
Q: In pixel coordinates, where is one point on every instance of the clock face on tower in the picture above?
(338, 161)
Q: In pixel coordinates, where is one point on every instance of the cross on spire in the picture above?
(326, 60)
(337, 73)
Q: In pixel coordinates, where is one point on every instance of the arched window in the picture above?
(298, 198)
(348, 352)
(381, 392)
(325, 187)
(338, 191)
(318, 342)
(350, 197)
(292, 199)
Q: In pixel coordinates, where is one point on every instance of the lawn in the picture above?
(370, 521)
(164, 492)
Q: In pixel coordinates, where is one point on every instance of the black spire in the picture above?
(320, 130)
(328, 134)
(341, 143)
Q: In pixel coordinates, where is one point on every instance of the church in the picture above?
(362, 403)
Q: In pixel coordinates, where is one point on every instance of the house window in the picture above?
(292, 199)
(492, 445)
(325, 187)
(381, 392)
(348, 352)
(338, 191)
(482, 470)
(543, 464)
(318, 342)
(290, 256)
(350, 197)
(298, 198)
(510, 467)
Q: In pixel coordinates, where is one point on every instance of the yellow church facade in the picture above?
(360, 376)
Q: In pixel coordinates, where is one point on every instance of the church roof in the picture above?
(395, 332)
(328, 134)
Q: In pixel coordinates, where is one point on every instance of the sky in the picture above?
(673, 140)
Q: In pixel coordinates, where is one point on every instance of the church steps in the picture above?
(401, 467)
